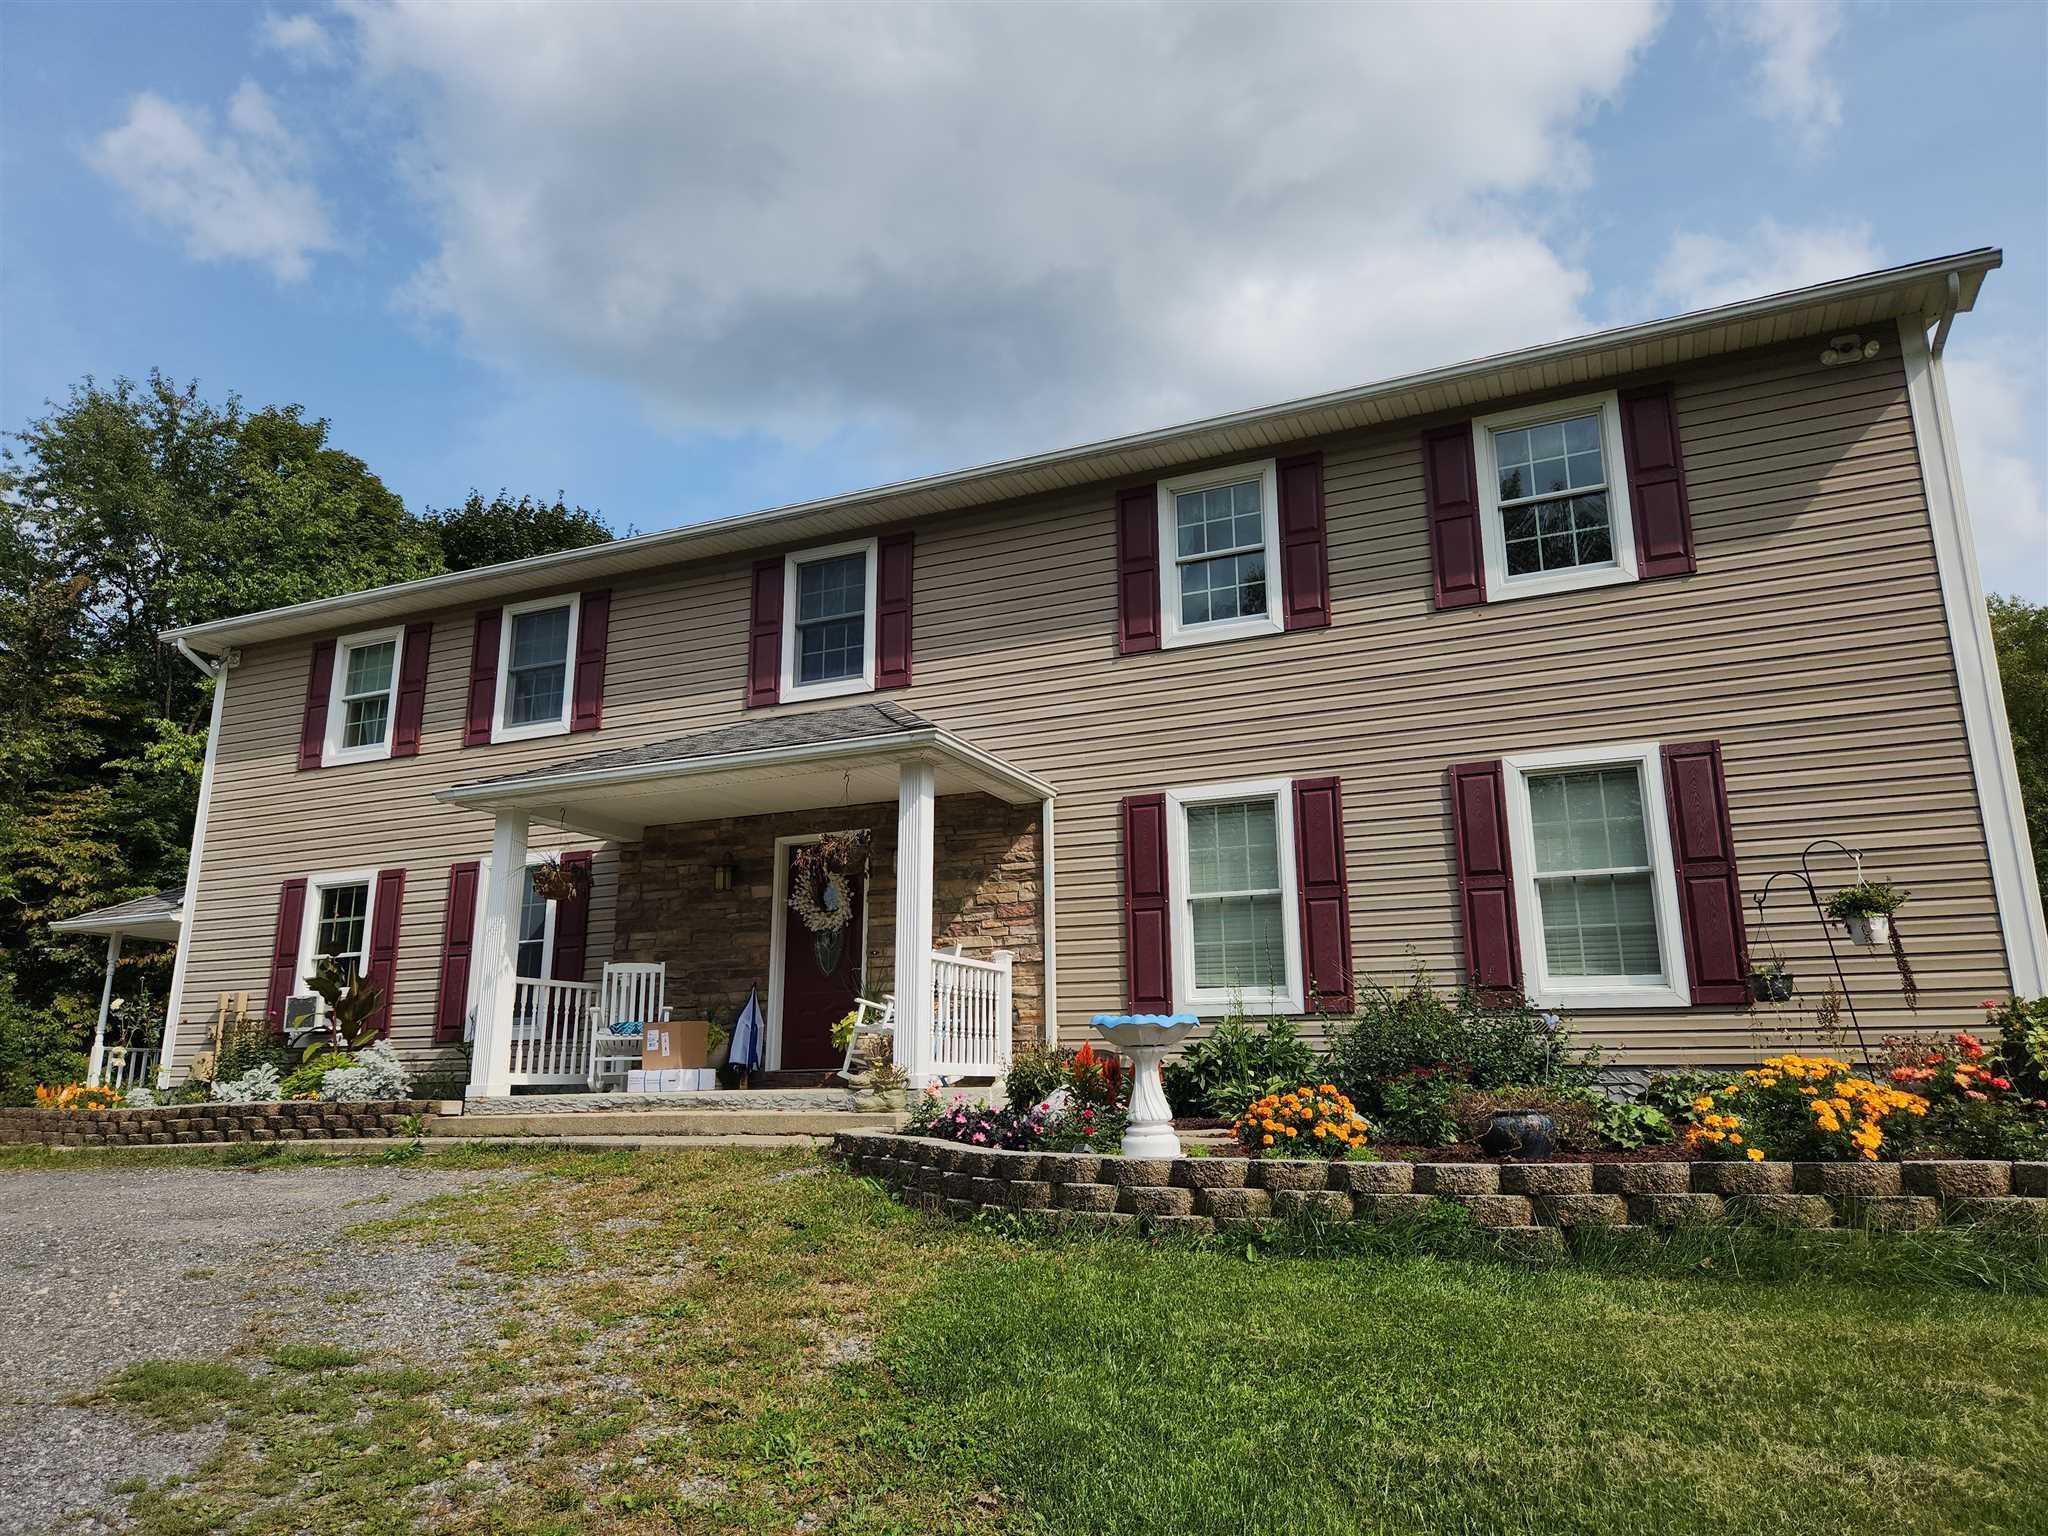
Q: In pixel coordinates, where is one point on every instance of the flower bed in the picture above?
(1537, 1201)
(208, 1124)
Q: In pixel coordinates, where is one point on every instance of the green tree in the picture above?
(480, 532)
(2019, 633)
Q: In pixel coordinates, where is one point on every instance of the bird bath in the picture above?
(1146, 1038)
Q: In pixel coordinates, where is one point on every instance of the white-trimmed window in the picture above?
(1553, 497)
(362, 699)
(1236, 907)
(1594, 886)
(1219, 554)
(536, 667)
(340, 905)
(828, 630)
(535, 960)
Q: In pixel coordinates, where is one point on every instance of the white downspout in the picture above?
(218, 671)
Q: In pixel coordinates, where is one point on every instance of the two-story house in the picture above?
(1528, 670)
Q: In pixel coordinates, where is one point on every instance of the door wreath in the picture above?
(821, 876)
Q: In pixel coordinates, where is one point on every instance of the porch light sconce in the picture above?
(724, 876)
(1849, 349)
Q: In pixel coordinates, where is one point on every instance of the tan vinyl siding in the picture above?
(1811, 643)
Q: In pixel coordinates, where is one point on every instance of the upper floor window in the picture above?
(1553, 500)
(1230, 863)
(363, 698)
(1219, 535)
(1593, 863)
(536, 643)
(828, 643)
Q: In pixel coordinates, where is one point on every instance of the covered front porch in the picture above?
(950, 920)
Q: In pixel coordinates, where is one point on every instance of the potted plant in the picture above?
(1770, 982)
(1866, 909)
(555, 881)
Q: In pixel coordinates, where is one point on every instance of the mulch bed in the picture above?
(1671, 1152)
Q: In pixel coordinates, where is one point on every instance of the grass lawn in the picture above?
(738, 1341)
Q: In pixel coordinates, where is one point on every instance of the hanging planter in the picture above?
(555, 881)
(1866, 909)
(1770, 983)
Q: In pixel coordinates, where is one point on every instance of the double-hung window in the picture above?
(1230, 869)
(1594, 881)
(828, 637)
(536, 933)
(363, 696)
(536, 656)
(1219, 543)
(337, 923)
(1554, 512)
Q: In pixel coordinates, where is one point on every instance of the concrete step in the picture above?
(753, 1100)
(650, 1122)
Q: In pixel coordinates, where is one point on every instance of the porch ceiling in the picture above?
(798, 762)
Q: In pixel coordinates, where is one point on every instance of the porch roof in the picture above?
(160, 915)
(792, 762)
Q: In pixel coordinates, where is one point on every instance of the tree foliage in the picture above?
(2019, 633)
(132, 508)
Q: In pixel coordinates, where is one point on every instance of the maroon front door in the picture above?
(820, 981)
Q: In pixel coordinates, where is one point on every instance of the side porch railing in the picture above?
(551, 1031)
(970, 1014)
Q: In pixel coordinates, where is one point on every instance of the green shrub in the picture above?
(36, 1046)
(1034, 1076)
(248, 1043)
(303, 1081)
(1232, 1065)
(1414, 1108)
(1629, 1126)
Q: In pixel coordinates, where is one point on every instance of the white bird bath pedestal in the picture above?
(1146, 1038)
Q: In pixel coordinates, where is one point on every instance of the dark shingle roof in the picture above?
(156, 908)
(857, 722)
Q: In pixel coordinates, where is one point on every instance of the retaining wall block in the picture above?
(1373, 1178)
(2030, 1179)
(1497, 1210)
(1665, 1210)
(1156, 1200)
(1277, 1174)
(1457, 1179)
(1958, 1180)
(1234, 1204)
(2009, 1213)
(1087, 1197)
(1587, 1210)
(1070, 1167)
(1864, 1180)
(1212, 1172)
(1643, 1178)
(960, 1210)
(1547, 1179)
(1318, 1204)
(1741, 1178)
(1781, 1211)
(1138, 1172)
(1030, 1194)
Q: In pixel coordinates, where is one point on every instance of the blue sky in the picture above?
(685, 262)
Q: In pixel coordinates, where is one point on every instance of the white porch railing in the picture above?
(127, 1066)
(551, 1028)
(970, 1015)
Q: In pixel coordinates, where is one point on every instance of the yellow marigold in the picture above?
(1756, 1154)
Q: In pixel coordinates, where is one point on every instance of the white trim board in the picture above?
(1985, 727)
(189, 908)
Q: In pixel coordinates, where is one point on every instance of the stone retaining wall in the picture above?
(180, 1125)
(1199, 1194)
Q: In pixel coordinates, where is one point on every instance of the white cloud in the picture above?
(238, 194)
(302, 39)
(1996, 391)
(1789, 80)
(992, 227)
(1700, 270)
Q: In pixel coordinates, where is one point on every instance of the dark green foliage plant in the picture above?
(1629, 1126)
(1233, 1064)
(35, 1047)
(2019, 635)
(249, 1043)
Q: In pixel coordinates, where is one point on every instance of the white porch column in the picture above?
(497, 960)
(915, 808)
(97, 1063)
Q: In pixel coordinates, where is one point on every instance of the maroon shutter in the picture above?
(1656, 483)
(458, 951)
(284, 951)
(892, 612)
(389, 905)
(1137, 569)
(313, 725)
(1319, 868)
(764, 635)
(593, 629)
(1451, 483)
(1709, 895)
(1486, 886)
(1148, 944)
(483, 679)
(412, 691)
(1304, 544)
(572, 921)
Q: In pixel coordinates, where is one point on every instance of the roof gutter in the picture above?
(209, 668)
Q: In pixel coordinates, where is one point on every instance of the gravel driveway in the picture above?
(100, 1268)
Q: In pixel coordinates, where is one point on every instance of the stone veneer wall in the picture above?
(200, 1124)
(716, 943)
(1199, 1194)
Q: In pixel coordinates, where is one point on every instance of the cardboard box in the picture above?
(684, 1043)
(636, 1080)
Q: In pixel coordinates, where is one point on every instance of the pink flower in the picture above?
(1987, 1003)
(1971, 1093)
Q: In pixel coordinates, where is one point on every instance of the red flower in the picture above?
(2002, 1084)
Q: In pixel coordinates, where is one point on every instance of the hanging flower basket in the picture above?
(555, 881)
(1866, 909)
(1770, 983)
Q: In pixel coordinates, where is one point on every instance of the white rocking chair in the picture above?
(629, 998)
(870, 1018)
